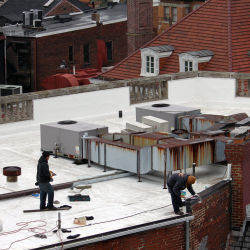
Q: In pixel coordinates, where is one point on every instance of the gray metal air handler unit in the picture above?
(166, 112)
(64, 138)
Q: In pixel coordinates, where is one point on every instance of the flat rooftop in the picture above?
(79, 21)
(115, 204)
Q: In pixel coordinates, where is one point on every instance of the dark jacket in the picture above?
(178, 183)
(43, 174)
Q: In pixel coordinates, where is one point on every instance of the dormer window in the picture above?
(188, 66)
(150, 59)
(150, 64)
(189, 61)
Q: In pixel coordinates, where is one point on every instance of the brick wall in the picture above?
(63, 8)
(246, 175)
(140, 23)
(51, 50)
(211, 224)
(234, 155)
(172, 237)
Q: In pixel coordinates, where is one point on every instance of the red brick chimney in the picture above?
(140, 23)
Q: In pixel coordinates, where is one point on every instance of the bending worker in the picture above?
(43, 179)
(176, 183)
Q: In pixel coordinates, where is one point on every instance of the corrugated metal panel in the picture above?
(182, 156)
(118, 155)
(220, 151)
(201, 124)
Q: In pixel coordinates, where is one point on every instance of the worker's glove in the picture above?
(51, 179)
(36, 184)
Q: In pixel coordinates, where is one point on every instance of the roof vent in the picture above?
(67, 122)
(160, 105)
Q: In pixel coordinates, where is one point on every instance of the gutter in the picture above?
(121, 232)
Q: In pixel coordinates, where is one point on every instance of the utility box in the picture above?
(159, 125)
(138, 127)
(65, 137)
(10, 90)
(166, 112)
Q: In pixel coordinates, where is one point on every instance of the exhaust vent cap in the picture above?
(67, 122)
(160, 105)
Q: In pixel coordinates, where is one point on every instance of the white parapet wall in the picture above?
(202, 89)
(83, 105)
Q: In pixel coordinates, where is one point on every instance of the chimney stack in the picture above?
(139, 24)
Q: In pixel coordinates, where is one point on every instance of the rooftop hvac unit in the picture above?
(138, 127)
(166, 112)
(37, 14)
(28, 18)
(66, 136)
(37, 23)
(10, 90)
(158, 124)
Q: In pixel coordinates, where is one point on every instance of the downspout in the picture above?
(229, 28)
(187, 235)
(5, 60)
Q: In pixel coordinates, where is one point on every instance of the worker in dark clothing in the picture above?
(43, 179)
(176, 183)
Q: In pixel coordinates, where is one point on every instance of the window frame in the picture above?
(112, 50)
(71, 54)
(86, 62)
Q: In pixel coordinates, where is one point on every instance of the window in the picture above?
(86, 57)
(150, 59)
(71, 56)
(187, 10)
(188, 66)
(170, 14)
(109, 46)
(166, 13)
(189, 61)
(174, 14)
(150, 64)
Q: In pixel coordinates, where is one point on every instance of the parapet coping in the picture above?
(103, 85)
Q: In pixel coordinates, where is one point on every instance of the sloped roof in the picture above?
(162, 48)
(13, 9)
(221, 26)
(201, 53)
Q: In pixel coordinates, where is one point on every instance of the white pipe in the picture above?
(229, 167)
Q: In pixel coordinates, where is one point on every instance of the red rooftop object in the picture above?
(221, 26)
(12, 173)
(64, 80)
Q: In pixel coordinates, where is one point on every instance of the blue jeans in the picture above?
(176, 200)
(46, 188)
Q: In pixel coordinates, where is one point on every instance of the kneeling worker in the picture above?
(176, 183)
(43, 178)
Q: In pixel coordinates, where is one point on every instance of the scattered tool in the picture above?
(73, 236)
(80, 221)
(82, 187)
(46, 209)
(79, 197)
(41, 236)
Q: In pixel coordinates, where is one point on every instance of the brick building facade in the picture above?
(140, 23)
(33, 58)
